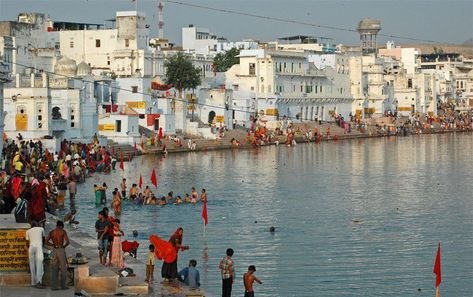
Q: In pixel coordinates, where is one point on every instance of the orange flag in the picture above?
(438, 269)
(154, 179)
(204, 213)
(122, 166)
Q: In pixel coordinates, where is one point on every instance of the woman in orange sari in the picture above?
(169, 270)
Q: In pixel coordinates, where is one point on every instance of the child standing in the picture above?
(150, 264)
(248, 279)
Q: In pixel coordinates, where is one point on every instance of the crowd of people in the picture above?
(143, 197)
(35, 180)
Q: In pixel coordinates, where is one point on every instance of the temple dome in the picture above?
(66, 67)
(83, 69)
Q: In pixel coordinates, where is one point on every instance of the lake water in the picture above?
(352, 218)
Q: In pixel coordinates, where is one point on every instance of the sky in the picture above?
(443, 21)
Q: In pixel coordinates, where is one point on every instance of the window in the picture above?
(252, 88)
(409, 83)
(97, 42)
(127, 42)
(71, 44)
(134, 89)
(72, 117)
(108, 62)
(252, 69)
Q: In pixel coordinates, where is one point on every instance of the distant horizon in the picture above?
(418, 19)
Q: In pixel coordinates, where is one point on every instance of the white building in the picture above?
(44, 98)
(4, 78)
(464, 82)
(124, 50)
(285, 83)
(407, 56)
(52, 105)
(28, 42)
(198, 39)
(224, 45)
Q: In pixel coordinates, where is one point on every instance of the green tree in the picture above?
(181, 74)
(223, 61)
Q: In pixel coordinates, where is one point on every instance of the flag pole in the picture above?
(437, 292)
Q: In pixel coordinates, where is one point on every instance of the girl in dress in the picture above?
(117, 254)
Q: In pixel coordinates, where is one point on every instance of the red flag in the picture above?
(122, 167)
(140, 184)
(204, 213)
(438, 268)
(154, 179)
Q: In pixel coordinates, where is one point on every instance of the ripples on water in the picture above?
(352, 218)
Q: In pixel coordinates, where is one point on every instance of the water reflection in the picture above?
(353, 218)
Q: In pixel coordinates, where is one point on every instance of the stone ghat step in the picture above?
(96, 279)
(14, 279)
(166, 290)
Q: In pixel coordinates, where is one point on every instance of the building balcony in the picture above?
(308, 97)
(58, 125)
(302, 73)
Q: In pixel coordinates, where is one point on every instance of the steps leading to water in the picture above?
(96, 279)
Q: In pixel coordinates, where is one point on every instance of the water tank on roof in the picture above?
(374, 26)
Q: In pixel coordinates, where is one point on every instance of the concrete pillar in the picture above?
(4, 77)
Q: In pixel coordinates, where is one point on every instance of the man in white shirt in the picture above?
(35, 238)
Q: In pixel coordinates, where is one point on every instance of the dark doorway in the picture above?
(118, 124)
(211, 116)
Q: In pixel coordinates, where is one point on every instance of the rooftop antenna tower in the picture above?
(161, 20)
(368, 29)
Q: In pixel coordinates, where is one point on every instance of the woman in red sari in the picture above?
(169, 270)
